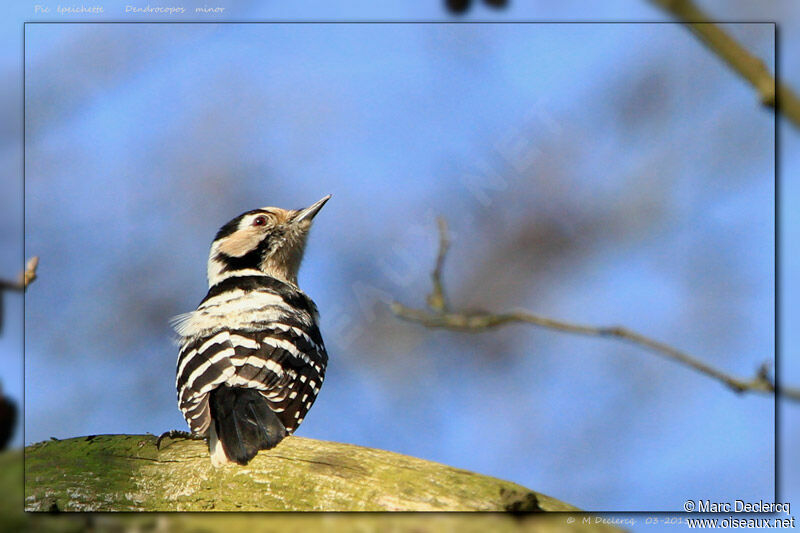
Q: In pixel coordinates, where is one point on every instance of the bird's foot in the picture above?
(177, 434)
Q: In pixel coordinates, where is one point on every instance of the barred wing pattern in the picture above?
(254, 332)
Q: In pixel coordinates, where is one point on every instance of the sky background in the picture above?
(597, 173)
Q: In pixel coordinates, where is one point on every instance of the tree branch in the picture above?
(440, 316)
(436, 299)
(748, 66)
(130, 473)
(25, 278)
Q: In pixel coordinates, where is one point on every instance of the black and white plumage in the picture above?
(251, 359)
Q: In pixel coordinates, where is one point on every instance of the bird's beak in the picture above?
(309, 212)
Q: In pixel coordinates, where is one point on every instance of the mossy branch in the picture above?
(129, 473)
(13, 519)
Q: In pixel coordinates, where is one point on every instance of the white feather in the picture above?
(178, 322)
(236, 313)
(218, 456)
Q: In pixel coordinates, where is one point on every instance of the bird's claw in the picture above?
(179, 434)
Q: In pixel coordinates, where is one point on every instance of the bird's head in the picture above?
(269, 240)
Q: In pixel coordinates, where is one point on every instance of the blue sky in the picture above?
(635, 169)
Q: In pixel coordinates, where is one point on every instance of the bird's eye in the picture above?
(260, 221)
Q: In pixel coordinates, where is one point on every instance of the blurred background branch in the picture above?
(459, 7)
(748, 66)
(440, 316)
(8, 408)
(25, 278)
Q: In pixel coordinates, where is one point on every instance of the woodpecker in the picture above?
(251, 359)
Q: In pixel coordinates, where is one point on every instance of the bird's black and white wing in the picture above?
(251, 333)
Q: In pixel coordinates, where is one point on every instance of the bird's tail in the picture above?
(242, 423)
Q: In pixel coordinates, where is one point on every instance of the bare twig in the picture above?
(436, 299)
(439, 316)
(25, 278)
(748, 66)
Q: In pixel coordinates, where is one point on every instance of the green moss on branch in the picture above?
(128, 473)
